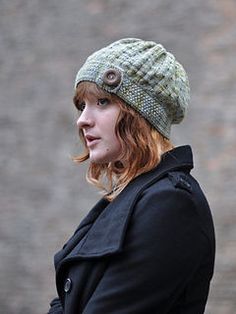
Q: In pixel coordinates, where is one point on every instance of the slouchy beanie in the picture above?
(145, 76)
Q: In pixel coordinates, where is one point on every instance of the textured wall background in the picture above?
(42, 193)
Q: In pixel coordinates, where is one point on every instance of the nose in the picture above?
(85, 120)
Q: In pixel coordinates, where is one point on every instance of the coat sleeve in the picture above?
(163, 247)
(55, 307)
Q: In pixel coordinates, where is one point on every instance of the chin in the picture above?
(101, 159)
(98, 160)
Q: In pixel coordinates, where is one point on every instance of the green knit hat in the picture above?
(145, 76)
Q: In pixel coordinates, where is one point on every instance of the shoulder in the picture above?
(169, 198)
(176, 187)
(173, 187)
(165, 223)
(175, 204)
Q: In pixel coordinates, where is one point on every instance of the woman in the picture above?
(148, 245)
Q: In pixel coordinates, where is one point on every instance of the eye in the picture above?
(81, 106)
(103, 102)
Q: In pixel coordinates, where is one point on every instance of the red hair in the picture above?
(142, 146)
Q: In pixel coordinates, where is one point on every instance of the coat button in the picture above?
(67, 285)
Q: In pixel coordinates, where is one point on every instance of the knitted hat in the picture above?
(145, 76)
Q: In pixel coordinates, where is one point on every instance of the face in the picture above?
(97, 122)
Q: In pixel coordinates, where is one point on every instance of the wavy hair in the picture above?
(141, 146)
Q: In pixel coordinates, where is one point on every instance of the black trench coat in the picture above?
(151, 250)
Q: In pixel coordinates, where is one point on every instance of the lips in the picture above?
(91, 140)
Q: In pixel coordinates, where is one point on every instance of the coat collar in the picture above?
(110, 220)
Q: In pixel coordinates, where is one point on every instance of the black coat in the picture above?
(151, 250)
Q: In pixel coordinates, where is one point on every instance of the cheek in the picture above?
(108, 125)
(112, 142)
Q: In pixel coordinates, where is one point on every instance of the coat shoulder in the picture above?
(175, 181)
(177, 196)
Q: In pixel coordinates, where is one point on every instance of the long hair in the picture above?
(141, 146)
